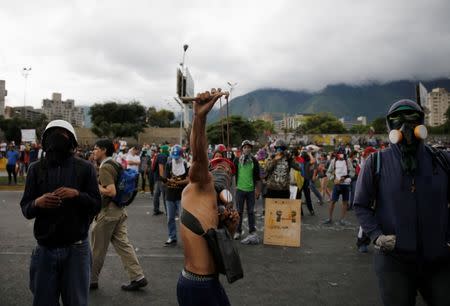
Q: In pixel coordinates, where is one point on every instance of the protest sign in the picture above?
(282, 222)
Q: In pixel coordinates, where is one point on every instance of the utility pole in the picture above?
(181, 120)
(232, 85)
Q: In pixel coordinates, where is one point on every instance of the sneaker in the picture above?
(93, 286)
(327, 222)
(251, 239)
(343, 222)
(237, 236)
(170, 242)
(135, 285)
(157, 213)
(363, 249)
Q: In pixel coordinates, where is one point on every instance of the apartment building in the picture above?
(438, 101)
(56, 108)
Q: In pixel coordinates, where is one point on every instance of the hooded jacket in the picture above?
(419, 216)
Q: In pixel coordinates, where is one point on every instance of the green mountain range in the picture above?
(348, 101)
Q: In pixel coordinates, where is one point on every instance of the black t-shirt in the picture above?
(173, 192)
(160, 160)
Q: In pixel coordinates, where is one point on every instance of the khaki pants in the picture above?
(109, 226)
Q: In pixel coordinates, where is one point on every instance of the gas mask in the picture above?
(406, 128)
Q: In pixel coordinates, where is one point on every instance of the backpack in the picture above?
(126, 184)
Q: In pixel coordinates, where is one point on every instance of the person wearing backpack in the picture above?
(109, 225)
(278, 172)
(340, 171)
(61, 194)
(175, 179)
(405, 211)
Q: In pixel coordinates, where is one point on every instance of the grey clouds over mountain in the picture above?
(97, 50)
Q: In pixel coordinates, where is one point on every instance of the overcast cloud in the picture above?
(93, 51)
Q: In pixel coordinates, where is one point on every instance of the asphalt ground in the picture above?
(326, 270)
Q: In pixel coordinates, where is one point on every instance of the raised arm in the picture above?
(203, 104)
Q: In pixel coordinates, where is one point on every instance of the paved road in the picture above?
(326, 270)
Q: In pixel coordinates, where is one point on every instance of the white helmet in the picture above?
(60, 124)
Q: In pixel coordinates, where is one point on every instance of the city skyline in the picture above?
(98, 51)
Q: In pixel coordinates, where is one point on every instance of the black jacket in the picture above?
(58, 227)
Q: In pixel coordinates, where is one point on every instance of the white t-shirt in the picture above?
(134, 158)
(340, 170)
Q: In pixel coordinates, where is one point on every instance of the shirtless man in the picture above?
(199, 282)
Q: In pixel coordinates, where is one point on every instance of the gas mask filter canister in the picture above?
(396, 136)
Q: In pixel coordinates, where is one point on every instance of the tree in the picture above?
(322, 123)
(359, 129)
(379, 125)
(161, 118)
(113, 119)
(12, 127)
(240, 129)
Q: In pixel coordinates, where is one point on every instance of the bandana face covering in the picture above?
(246, 156)
(58, 147)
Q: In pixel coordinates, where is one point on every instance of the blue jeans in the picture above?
(249, 198)
(160, 189)
(307, 192)
(399, 281)
(313, 188)
(352, 193)
(64, 272)
(172, 209)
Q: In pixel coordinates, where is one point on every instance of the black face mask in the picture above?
(58, 147)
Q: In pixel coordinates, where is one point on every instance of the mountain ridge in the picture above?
(342, 100)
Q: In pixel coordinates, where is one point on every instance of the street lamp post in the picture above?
(25, 72)
(185, 47)
(183, 72)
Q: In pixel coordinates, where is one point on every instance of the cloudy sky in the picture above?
(94, 51)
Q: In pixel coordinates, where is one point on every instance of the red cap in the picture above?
(369, 150)
(214, 162)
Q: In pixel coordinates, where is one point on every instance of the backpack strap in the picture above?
(116, 167)
(376, 173)
(438, 158)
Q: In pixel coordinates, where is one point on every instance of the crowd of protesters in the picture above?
(262, 171)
